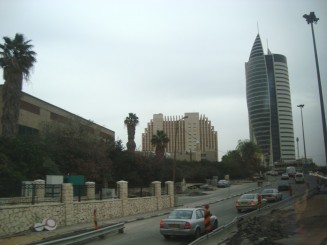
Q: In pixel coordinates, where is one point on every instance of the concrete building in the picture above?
(192, 136)
(269, 104)
(34, 112)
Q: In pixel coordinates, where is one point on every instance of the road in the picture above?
(147, 231)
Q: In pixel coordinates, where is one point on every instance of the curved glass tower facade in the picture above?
(269, 104)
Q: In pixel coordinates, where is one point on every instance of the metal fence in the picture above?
(33, 193)
(101, 192)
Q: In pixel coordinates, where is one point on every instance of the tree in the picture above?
(160, 141)
(131, 122)
(16, 59)
(250, 154)
(77, 150)
(233, 165)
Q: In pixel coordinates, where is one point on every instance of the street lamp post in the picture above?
(297, 144)
(311, 18)
(305, 153)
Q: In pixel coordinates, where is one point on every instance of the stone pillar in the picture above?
(90, 190)
(170, 192)
(123, 196)
(156, 186)
(68, 199)
(39, 186)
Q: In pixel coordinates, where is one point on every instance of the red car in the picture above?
(272, 195)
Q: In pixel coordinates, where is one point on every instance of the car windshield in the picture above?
(181, 214)
(268, 191)
(248, 196)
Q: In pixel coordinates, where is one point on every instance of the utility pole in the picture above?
(311, 18)
(305, 153)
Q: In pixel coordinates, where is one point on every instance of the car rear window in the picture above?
(247, 197)
(181, 214)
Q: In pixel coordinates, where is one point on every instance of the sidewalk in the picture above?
(31, 236)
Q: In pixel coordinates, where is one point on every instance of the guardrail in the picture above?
(84, 236)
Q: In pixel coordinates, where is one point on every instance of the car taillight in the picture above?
(187, 225)
(237, 203)
(252, 203)
(162, 224)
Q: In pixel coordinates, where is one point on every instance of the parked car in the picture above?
(299, 178)
(185, 222)
(249, 202)
(285, 176)
(223, 183)
(283, 185)
(271, 194)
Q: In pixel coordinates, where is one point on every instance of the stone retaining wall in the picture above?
(19, 218)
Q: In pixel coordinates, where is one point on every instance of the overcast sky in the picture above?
(104, 59)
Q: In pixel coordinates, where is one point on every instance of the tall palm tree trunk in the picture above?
(11, 102)
(131, 136)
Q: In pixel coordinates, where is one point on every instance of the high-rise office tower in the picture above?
(269, 104)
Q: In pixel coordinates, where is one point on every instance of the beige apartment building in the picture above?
(33, 112)
(192, 137)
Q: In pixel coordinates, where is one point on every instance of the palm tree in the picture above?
(131, 122)
(16, 59)
(160, 141)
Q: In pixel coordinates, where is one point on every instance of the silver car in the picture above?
(185, 222)
(299, 178)
(271, 194)
(249, 202)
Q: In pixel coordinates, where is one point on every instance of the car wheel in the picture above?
(197, 233)
(239, 210)
(215, 225)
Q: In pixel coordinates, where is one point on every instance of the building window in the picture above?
(58, 118)
(26, 130)
(29, 107)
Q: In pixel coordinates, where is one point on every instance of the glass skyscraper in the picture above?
(269, 104)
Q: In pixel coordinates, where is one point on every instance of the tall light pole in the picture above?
(297, 144)
(175, 147)
(311, 18)
(305, 153)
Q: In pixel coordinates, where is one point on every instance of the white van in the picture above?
(291, 171)
(299, 178)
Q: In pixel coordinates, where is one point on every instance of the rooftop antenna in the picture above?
(258, 27)
(267, 47)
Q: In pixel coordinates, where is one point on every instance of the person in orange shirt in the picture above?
(207, 215)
